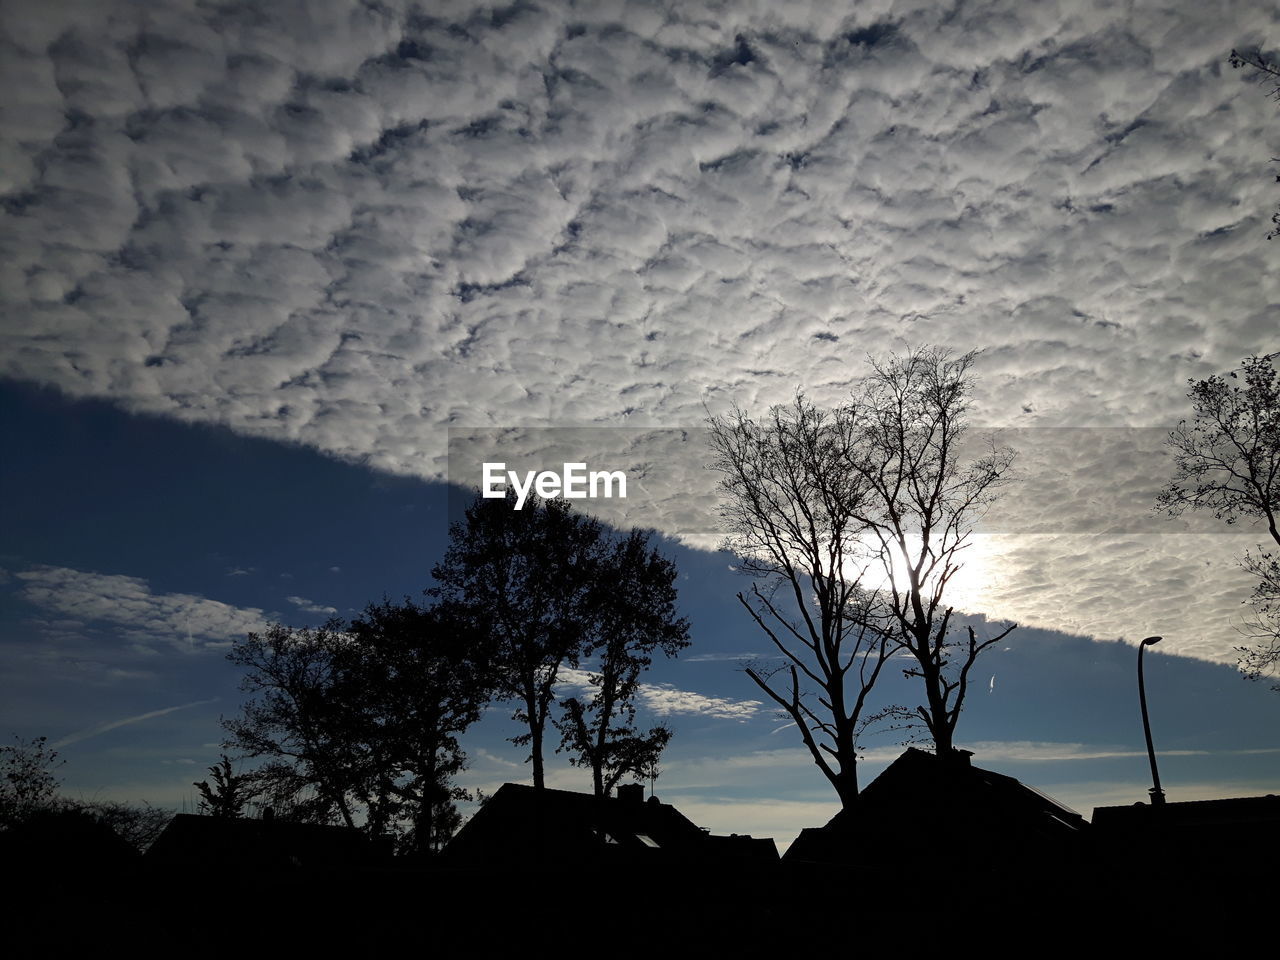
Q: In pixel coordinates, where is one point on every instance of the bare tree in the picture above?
(1227, 460)
(921, 500)
(27, 781)
(138, 824)
(791, 506)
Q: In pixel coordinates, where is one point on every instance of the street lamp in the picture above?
(1157, 795)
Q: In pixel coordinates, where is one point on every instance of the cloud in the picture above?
(359, 229)
(665, 699)
(114, 724)
(307, 606)
(1028, 751)
(149, 620)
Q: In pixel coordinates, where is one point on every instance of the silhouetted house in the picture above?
(264, 844)
(519, 824)
(923, 807)
(1203, 835)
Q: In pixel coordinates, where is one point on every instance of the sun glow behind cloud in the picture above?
(975, 570)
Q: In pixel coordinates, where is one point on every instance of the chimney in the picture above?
(632, 794)
(961, 757)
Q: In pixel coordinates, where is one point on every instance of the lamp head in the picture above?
(1148, 641)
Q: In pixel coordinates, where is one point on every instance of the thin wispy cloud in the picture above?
(665, 699)
(126, 721)
(1027, 751)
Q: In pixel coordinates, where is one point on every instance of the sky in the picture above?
(275, 279)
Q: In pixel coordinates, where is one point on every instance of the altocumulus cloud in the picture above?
(354, 225)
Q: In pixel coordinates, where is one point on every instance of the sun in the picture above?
(977, 571)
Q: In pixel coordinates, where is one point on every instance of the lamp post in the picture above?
(1157, 795)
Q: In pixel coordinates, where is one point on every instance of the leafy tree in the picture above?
(1227, 460)
(302, 714)
(523, 579)
(632, 616)
(229, 793)
(909, 418)
(361, 720)
(791, 506)
(1261, 657)
(426, 678)
(429, 834)
(27, 781)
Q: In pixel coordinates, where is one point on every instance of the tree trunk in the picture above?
(846, 784)
(938, 725)
(535, 730)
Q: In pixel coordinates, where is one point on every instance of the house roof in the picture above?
(922, 778)
(520, 821)
(921, 800)
(1194, 815)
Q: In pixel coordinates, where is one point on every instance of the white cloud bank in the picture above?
(361, 226)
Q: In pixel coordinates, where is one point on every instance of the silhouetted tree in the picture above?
(1227, 460)
(137, 824)
(27, 780)
(1268, 73)
(426, 676)
(855, 520)
(523, 578)
(283, 788)
(29, 792)
(229, 793)
(363, 718)
(631, 616)
(908, 418)
(429, 834)
(302, 714)
(792, 507)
